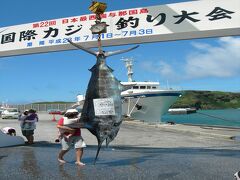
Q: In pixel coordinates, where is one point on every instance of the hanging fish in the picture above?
(102, 85)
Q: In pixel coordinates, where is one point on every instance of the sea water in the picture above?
(226, 118)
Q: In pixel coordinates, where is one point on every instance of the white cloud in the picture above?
(203, 61)
(214, 61)
(161, 68)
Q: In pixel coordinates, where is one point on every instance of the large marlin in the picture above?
(102, 84)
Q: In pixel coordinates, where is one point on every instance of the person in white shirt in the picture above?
(9, 131)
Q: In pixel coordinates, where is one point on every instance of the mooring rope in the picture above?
(228, 120)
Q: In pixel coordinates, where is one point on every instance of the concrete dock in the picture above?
(140, 151)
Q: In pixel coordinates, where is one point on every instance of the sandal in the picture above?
(61, 161)
(79, 163)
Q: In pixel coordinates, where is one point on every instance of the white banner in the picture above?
(187, 20)
(104, 106)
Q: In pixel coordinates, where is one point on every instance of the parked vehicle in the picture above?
(55, 111)
(1, 110)
(11, 113)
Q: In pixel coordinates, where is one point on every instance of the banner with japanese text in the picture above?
(187, 20)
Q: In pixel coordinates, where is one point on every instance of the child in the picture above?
(69, 120)
(22, 117)
(32, 116)
(28, 116)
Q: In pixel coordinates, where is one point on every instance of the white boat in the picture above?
(182, 110)
(146, 100)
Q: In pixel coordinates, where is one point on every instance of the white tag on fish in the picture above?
(104, 106)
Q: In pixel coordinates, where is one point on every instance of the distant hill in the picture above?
(208, 100)
(54, 102)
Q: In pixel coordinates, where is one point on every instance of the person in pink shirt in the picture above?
(73, 135)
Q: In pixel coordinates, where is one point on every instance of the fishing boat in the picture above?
(146, 101)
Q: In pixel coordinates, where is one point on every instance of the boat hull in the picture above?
(148, 107)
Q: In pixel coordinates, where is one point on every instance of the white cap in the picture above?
(71, 111)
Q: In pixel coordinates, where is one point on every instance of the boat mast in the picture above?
(129, 66)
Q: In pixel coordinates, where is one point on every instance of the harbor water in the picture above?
(223, 118)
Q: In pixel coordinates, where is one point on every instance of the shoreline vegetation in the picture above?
(208, 100)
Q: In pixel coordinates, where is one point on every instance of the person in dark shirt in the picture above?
(28, 124)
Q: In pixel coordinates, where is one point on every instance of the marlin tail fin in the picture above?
(83, 48)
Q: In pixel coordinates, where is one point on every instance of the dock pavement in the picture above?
(140, 151)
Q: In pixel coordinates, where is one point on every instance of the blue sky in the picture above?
(200, 64)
